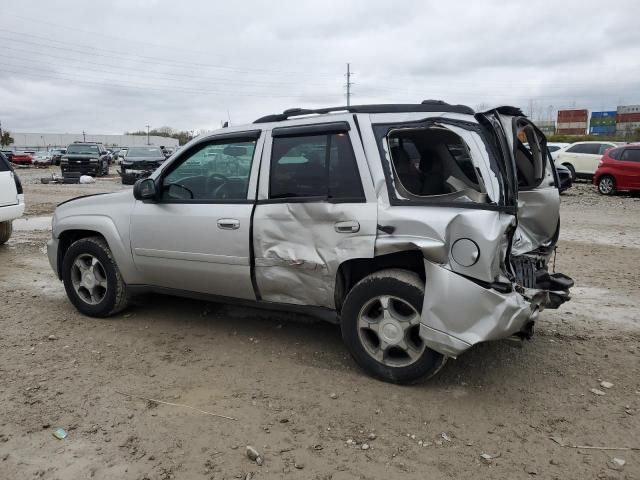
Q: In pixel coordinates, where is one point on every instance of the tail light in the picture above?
(18, 183)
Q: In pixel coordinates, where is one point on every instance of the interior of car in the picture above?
(435, 161)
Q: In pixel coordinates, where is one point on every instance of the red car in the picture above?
(619, 169)
(22, 158)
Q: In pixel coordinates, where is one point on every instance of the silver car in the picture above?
(421, 229)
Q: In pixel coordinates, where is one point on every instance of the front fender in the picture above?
(118, 241)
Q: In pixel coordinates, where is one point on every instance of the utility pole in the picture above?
(148, 126)
(84, 138)
(349, 83)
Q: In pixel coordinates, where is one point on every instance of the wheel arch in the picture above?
(352, 271)
(75, 228)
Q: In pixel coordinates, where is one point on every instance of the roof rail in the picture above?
(425, 106)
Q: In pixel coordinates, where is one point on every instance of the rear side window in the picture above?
(603, 148)
(631, 155)
(314, 166)
(4, 164)
(615, 153)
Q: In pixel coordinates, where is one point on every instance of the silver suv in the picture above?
(421, 229)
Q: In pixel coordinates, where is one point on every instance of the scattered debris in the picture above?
(151, 400)
(299, 466)
(486, 458)
(254, 455)
(85, 179)
(372, 436)
(52, 337)
(60, 433)
(617, 464)
(365, 446)
(445, 437)
(560, 441)
(595, 391)
(606, 384)
(531, 470)
(333, 395)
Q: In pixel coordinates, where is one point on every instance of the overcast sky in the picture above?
(71, 65)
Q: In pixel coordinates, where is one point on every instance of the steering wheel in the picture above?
(182, 187)
(215, 176)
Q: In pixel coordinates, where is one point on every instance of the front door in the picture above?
(628, 168)
(196, 236)
(313, 212)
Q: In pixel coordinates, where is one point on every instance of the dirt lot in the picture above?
(294, 392)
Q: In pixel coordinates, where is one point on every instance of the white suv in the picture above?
(11, 198)
(582, 158)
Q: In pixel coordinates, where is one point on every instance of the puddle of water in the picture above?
(29, 224)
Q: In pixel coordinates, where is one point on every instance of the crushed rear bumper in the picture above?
(458, 313)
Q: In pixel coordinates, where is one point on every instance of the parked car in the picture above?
(7, 153)
(42, 159)
(409, 228)
(140, 162)
(582, 158)
(556, 147)
(85, 158)
(57, 154)
(11, 198)
(21, 158)
(618, 170)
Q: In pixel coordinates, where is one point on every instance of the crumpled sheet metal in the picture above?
(538, 213)
(457, 313)
(434, 230)
(298, 252)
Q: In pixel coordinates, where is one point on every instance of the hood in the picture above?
(96, 204)
(145, 159)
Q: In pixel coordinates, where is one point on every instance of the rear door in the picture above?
(316, 208)
(629, 168)
(533, 178)
(8, 191)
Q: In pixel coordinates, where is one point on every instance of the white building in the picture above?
(40, 141)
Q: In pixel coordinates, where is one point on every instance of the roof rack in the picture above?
(425, 106)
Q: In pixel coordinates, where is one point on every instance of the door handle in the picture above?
(350, 226)
(228, 224)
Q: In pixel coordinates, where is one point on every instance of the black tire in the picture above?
(404, 285)
(572, 170)
(606, 185)
(6, 229)
(115, 298)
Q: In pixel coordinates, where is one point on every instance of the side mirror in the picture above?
(145, 189)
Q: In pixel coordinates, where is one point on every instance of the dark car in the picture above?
(565, 177)
(619, 169)
(57, 154)
(85, 158)
(140, 162)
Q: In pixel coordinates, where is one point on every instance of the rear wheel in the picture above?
(572, 170)
(607, 185)
(6, 229)
(381, 327)
(91, 278)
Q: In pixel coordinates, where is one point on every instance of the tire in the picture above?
(109, 298)
(404, 291)
(572, 170)
(6, 229)
(606, 185)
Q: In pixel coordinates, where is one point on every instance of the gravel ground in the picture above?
(293, 391)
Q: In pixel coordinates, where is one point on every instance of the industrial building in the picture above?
(627, 120)
(603, 123)
(43, 141)
(572, 122)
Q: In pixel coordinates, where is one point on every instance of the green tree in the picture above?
(6, 139)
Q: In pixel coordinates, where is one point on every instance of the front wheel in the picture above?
(91, 278)
(607, 185)
(6, 229)
(381, 327)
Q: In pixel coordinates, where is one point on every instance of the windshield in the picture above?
(82, 149)
(151, 152)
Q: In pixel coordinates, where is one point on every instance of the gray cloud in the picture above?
(74, 66)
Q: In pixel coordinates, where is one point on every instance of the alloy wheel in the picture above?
(89, 279)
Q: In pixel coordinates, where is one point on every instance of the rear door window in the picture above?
(588, 148)
(631, 155)
(309, 166)
(603, 148)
